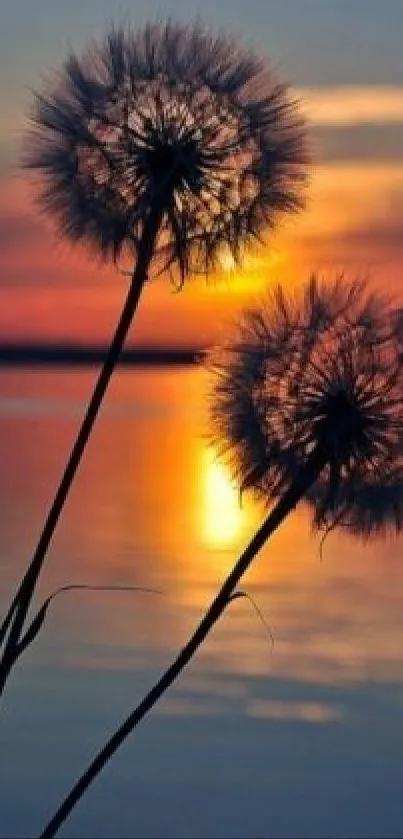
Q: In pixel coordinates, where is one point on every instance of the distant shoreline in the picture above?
(69, 355)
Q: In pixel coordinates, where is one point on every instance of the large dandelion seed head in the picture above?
(318, 372)
(171, 118)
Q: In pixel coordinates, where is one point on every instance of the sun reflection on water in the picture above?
(223, 517)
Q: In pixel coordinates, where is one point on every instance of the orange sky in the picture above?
(345, 68)
(52, 292)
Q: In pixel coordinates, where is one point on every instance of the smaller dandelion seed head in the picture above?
(318, 372)
(173, 117)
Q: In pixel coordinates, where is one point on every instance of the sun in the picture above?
(226, 261)
(258, 267)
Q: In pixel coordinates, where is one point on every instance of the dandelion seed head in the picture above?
(173, 117)
(320, 371)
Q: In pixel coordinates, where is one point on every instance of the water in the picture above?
(303, 738)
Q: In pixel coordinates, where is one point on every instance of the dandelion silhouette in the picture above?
(317, 381)
(168, 146)
(307, 404)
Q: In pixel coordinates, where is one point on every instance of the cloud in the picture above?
(352, 105)
(375, 241)
(360, 142)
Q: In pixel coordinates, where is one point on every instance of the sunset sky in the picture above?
(344, 61)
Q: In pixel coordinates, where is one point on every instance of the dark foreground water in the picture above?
(301, 739)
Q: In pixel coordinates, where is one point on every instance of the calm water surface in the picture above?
(303, 738)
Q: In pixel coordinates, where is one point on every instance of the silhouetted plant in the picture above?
(38, 621)
(167, 146)
(320, 377)
(307, 404)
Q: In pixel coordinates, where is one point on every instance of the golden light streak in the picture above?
(352, 104)
(222, 514)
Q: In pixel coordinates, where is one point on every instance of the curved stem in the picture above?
(19, 607)
(300, 485)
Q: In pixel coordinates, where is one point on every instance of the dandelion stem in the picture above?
(14, 621)
(306, 477)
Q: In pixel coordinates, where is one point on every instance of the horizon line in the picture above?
(69, 353)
